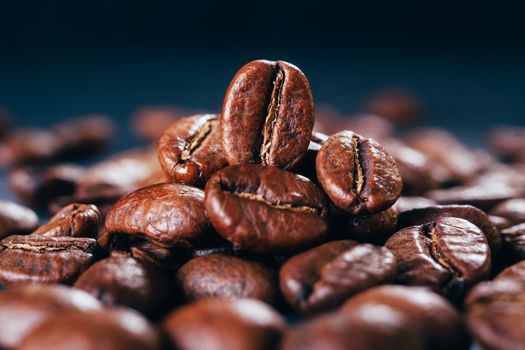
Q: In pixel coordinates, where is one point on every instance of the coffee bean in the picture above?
(514, 242)
(420, 216)
(418, 172)
(375, 228)
(512, 209)
(455, 157)
(112, 178)
(268, 115)
(448, 255)
(396, 105)
(32, 259)
(406, 203)
(26, 307)
(224, 324)
(507, 142)
(149, 123)
(29, 145)
(190, 149)
(357, 174)
(16, 219)
(369, 327)
(123, 280)
(221, 276)
(112, 329)
(499, 222)
(265, 209)
(167, 214)
(479, 196)
(432, 317)
(496, 310)
(324, 277)
(74, 220)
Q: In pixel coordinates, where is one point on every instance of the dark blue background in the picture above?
(60, 58)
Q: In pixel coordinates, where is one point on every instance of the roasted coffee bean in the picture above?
(507, 142)
(29, 145)
(32, 259)
(16, 219)
(481, 196)
(324, 277)
(375, 228)
(268, 115)
(83, 135)
(512, 209)
(26, 307)
(448, 255)
(369, 327)
(456, 157)
(406, 203)
(225, 324)
(221, 276)
(74, 220)
(45, 188)
(514, 242)
(166, 214)
(396, 105)
(149, 123)
(190, 149)
(266, 209)
(420, 216)
(112, 178)
(495, 311)
(432, 317)
(418, 172)
(111, 329)
(123, 280)
(499, 222)
(357, 174)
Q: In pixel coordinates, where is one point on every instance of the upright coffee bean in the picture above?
(190, 149)
(268, 115)
(266, 209)
(358, 175)
(448, 255)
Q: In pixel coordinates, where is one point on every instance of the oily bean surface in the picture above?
(513, 238)
(323, 277)
(448, 255)
(168, 214)
(421, 216)
(190, 149)
(126, 281)
(431, 316)
(115, 329)
(495, 310)
(266, 209)
(16, 219)
(268, 115)
(36, 259)
(375, 228)
(222, 276)
(26, 307)
(358, 175)
(513, 210)
(233, 324)
(74, 220)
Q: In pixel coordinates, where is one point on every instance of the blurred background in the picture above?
(464, 61)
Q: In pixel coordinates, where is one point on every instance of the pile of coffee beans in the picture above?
(270, 225)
